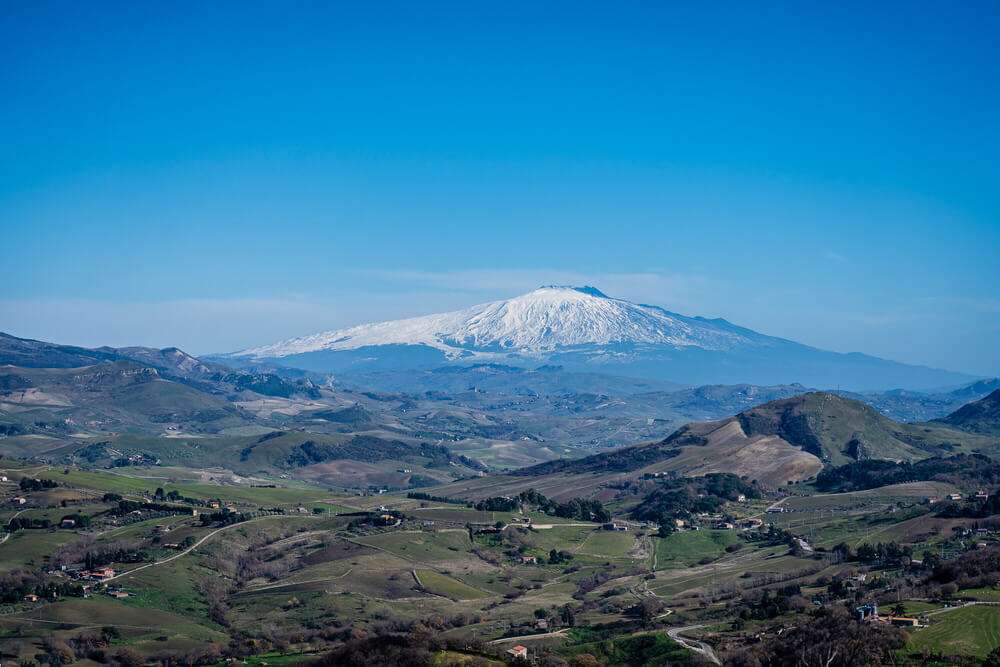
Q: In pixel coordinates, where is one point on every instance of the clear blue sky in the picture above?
(215, 175)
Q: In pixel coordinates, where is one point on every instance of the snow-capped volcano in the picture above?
(543, 321)
(580, 328)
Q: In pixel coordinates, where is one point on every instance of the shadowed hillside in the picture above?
(982, 416)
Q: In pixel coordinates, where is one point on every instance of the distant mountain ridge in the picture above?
(583, 329)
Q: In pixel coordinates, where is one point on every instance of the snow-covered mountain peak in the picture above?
(547, 319)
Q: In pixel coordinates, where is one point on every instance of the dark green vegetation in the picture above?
(584, 509)
(681, 498)
(968, 470)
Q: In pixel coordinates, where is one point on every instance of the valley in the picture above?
(166, 508)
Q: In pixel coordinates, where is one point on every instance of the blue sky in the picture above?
(219, 175)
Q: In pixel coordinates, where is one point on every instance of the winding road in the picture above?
(202, 541)
(693, 644)
(6, 536)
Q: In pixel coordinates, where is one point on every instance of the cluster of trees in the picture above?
(971, 509)
(23, 523)
(499, 504)
(830, 638)
(95, 646)
(564, 615)
(420, 495)
(963, 469)
(680, 498)
(584, 509)
(18, 583)
(773, 536)
(223, 517)
(652, 648)
(124, 552)
(28, 484)
(173, 495)
(972, 569)
(881, 553)
(620, 460)
(370, 449)
(127, 506)
(559, 557)
(142, 459)
(772, 602)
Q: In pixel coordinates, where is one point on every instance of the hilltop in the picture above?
(786, 440)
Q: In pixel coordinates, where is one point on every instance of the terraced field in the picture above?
(445, 586)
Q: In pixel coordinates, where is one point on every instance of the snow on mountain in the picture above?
(581, 329)
(549, 318)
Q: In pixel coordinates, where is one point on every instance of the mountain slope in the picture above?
(543, 320)
(787, 439)
(982, 416)
(585, 330)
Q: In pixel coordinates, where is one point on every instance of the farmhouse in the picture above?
(99, 574)
(18, 500)
(615, 526)
(519, 652)
(533, 560)
(954, 496)
(903, 621)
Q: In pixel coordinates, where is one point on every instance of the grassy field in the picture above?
(983, 594)
(439, 584)
(917, 607)
(421, 546)
(688, 548)
(973, 630)
(608, 544)
(120, 483)
(30, 547)
(97, 612)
